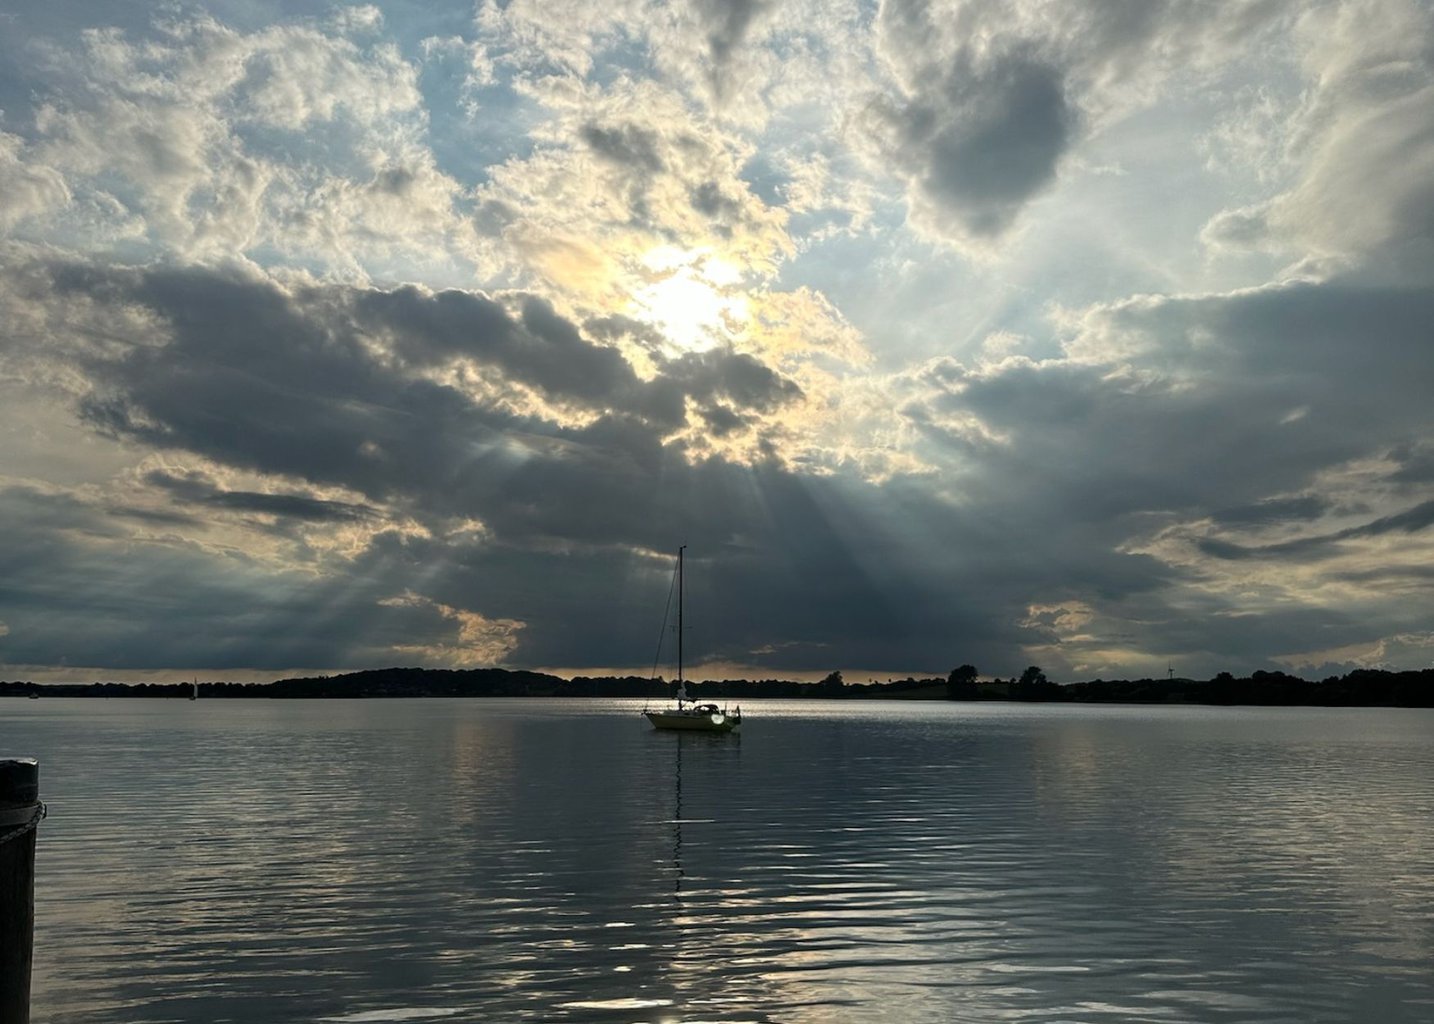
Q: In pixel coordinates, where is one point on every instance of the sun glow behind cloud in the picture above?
(692, 297)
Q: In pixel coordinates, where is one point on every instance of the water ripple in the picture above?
(394, 861)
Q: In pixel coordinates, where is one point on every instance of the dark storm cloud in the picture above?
(1235, 410)
(164, 603)
(540, 348)
(778, 567)
(736, 376)
(991, 95)
(1240, 399)
(562, 362)
(247, 378)
(721, 420)
(196, 489)
(985, 139)
(1420, 574)
(259, 379)
(290, 385)
(1421, 517)
(548, 352)
(161, 517)
(1416, 464)
(774, 565)
(1246, 399)
(279, 384)
(710, 377)
(615, 326)
(1273, 510)
(283, 384)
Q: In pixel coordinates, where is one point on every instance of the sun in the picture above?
(690, 297)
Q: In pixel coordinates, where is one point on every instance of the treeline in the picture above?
(26, 689)
(386, 682)
(482, 682)
(1361, 688)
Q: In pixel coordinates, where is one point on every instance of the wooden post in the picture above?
(19, 806)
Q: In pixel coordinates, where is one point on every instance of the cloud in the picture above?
(30, 188)
(425, 339)
(1356, 146)
(197, 489)
(978, 145)
(626, 146)
(200, 139)
(646, 173)
(548, 36)
(82, 590)
(1274, 510)
(380, 392)
(1410, 521)
(727, 23)
(321, 390)
(1166, 431)
(1192, 397)
(537, 348)
(989, 100)
(480, 641)
(745, 60)
(538, 473)
(1399, 652)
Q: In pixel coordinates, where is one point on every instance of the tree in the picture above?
(1033, 685)
(832, 684)
(961, 683)
(1033, 676)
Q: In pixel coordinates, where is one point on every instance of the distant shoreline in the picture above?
(1361, 688)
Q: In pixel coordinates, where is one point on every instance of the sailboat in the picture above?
(689, 715)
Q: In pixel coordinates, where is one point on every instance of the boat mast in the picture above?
(681, 688)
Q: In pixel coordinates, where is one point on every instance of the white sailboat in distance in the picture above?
(689, 715)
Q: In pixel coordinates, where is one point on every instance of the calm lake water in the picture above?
(508, 860)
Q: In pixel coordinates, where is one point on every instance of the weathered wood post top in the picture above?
(19, 781)
(20, 813)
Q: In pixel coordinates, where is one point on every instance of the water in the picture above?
(365, 861)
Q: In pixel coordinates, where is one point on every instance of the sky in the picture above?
(1096, 335)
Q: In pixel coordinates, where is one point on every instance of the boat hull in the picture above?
(688, 722)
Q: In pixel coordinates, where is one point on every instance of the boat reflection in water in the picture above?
(688, 715)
